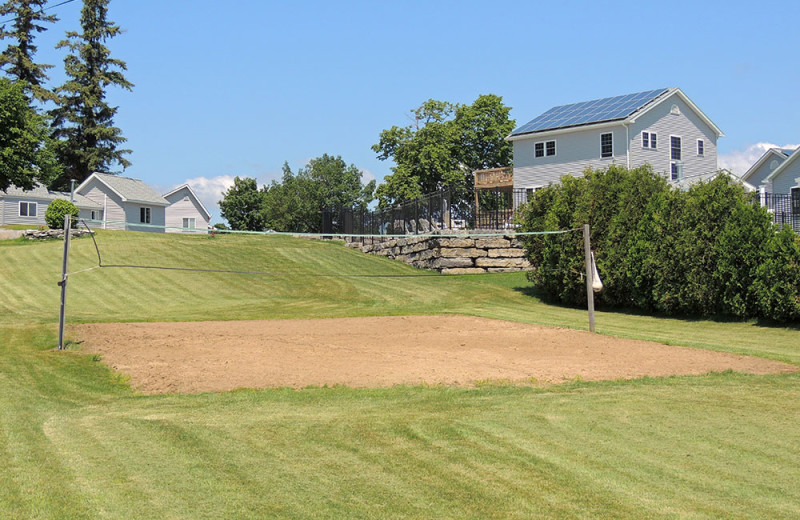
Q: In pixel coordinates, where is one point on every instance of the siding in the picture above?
(183, 205)
(575, 151)
(688, 126)
(788, 179)
(10, 211)
(133, 215)
(110, 201)
(759, 176)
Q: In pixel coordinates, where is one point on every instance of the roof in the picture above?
(193, 194)
(793, 157)
(780, 154)
(128, 189)
(786, 151)
(40, 192)
(624, 108)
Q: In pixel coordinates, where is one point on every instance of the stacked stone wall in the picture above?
(453, 255)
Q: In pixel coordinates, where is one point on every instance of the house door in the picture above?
(796, 208)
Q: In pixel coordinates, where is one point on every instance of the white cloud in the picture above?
(739, 161)
(367, 176)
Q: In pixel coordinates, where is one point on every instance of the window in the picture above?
(606, 145)
(545, 148)
(676, 171)
(529, 192)
(144, 215)
(189, 223)
(675, 148)
(27, 209)
(649, 140)
(701, 147)
(94, 215)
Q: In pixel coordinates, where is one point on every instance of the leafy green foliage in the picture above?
(26, 151)
(17, 59)
(296, 202)
(241, 205)
(83, 120)
(443, 146)
(707, 251)
(57, 211)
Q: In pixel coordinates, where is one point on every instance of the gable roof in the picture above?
(128, 189)
(793, 157)
(779, 153)
(41, 192)
(193, 195)
(622, 109)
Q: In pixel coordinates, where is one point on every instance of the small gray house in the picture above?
(663, 128)
(185, 213)
(125, 202)
(18, 206)
(771, 173)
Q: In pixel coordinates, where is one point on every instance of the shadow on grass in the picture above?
(538, 294)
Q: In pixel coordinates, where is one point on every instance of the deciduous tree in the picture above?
(241, 205)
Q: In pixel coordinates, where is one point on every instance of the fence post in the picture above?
(63, 282)
(587, 250)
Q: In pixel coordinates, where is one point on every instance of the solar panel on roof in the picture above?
(586, 112)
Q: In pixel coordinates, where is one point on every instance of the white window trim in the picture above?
(148, 214)
(544, 149)
(700, 143)
(612, 145)
(28, 205)
(189, 223)
(670, 148)
(679, 164)
(650, 136)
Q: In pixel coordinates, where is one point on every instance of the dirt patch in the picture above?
(383, 351)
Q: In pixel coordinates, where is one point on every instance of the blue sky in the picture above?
(237, 88)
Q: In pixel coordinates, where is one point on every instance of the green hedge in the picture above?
(706, 251)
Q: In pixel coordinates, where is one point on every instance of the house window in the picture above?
(189, 223)
(649, 140)
(676, 171)
(529, 192)
(701, 147)
(675, 148)
(27, 209)
(545, 148)
(94, 215)
(606, 145)
(144, 215)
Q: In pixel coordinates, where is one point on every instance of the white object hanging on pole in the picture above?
(597, 283)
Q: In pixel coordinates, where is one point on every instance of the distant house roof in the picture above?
(605, 110)
(793, 157)
(40, 192)
(780, 155)
(193, 194)
(128, 189)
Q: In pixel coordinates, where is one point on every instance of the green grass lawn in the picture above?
(75, 442)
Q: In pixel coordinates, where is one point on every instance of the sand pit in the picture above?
(383, 351)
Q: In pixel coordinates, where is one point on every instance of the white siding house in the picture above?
(766, 175)
(18, 206)
(126, 203)
(185, 213)
(662, 128)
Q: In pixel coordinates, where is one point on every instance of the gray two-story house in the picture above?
(663, 128)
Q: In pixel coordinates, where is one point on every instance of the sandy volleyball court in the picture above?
(382, 351)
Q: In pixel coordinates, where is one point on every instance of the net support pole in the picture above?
(63, 282)
(587, 249)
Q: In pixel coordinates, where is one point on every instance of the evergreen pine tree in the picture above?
(17, 59)
(83, 120)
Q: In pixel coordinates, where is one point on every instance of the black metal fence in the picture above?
(442, 210)
(784, 208)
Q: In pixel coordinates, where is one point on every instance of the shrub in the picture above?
(706, 251)
(56, 211)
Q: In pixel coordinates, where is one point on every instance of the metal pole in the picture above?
(587, 249)
(63, 282)
(72, 190)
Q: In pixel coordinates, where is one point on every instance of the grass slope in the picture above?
(76, 443)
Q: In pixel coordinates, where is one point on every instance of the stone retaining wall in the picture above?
(453, 255)
(44, 234)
